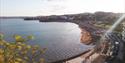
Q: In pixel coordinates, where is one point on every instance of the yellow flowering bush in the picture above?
(19, 51)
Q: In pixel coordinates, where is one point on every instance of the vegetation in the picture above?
(19, 51)
(103, 25)
(107, 25)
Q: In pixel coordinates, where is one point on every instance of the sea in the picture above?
(62, 39)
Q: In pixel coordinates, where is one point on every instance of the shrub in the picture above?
(19, 51)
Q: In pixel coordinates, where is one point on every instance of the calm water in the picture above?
(62, 40)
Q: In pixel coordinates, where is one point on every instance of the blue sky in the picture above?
(58, 7)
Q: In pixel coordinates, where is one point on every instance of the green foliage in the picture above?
(108, 25)
(103, 26)
(119, 28)
(1, 36)
(30, 37)
(19, 38)
(19, 51)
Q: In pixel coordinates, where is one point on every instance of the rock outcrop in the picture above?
(86, 37)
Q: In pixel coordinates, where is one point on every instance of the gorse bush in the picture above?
(19, 51)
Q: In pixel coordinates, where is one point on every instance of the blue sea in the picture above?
(62, 39)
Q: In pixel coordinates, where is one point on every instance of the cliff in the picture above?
(86, 37)
(90, 23)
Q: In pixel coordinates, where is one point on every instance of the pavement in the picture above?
(94, 58)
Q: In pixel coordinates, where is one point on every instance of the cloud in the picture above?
(56, 0)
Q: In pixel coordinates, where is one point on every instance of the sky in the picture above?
(58, 7)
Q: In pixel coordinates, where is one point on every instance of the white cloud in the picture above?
(49, 7)
(80, 6)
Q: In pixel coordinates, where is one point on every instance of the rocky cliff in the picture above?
(86, 22)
